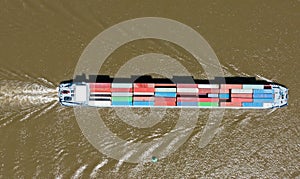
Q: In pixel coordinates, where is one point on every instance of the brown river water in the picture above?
(41, 42)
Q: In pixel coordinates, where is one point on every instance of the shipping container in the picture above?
(263, 100)
(224, 96)
(241, 95)
(165, 90)
(212, 104)
(143, 93)
(187, 103)
(121, 98)
(231, 86)
(246, 86)
(165, 84)
(187, 94)
(100, 93)
(165, 94)
(100, 85)
(143, 98)
(224, 90)
(164, 103)
(263, 91)
(187, 90)
(143, 103)
(263, 95)
(213, 95)
(241, 91)
(100, 90)
(121, 89)
(208, 85)
(143, 85)
(121, 103)
(162, 99)
(246, 104)
(231, 104)
(121, 94)
(241, 100)
(208, 90)
(187, 85)
(121, 85)
(187, 99)
(208, 99)
(143, 90)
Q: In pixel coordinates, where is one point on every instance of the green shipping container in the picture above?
(208, 104)
(121, 98)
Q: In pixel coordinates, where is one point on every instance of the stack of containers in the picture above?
(225, 90)
(121, 94)
(187, 94)
(143, 94)
(100, 94)
(208, 95)
(261, 97)
(165, 94)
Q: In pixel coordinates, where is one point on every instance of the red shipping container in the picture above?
(231, 104)
(144, 89)
(165, 84)
(241, 100)
(186, 99)
(159, 99)
(241, 95)
(138, 98)
(187, 94)
(231, 86)
(170, 103)
(224, 90)
(121, 89)
(208, 99)
(100, 85)
(187, 85)
(143, 85)
(100, 90)
(208, 90)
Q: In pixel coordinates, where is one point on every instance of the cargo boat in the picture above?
(233, 93)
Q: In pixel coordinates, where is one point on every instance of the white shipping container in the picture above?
(100, 97)
(208, 85)
(144, 93)
(267, 105)
(99, 103)
(165, 89)
(213, 95)
(241, 91)
(253, 86)
(121, 94)
(121, 85)
(187, 90)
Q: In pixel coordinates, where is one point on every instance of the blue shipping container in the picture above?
(165, 94)
(187, 103)
(252, 104)
(121, 103)
(262, 95)
(224, 95)
(263, 91)
(143, 103)
(263, 100)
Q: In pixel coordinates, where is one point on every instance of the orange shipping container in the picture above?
(231, 86)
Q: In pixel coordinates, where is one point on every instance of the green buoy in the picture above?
(154, 159)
